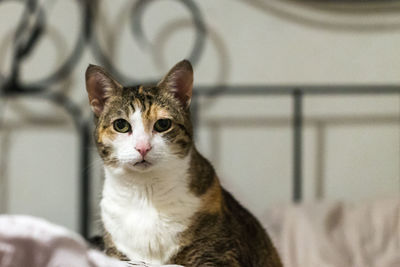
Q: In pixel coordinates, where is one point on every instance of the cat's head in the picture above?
(143, 127)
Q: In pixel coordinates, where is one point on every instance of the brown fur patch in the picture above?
(212, 198)
(140, 90)
(150, 117)
(105, 133)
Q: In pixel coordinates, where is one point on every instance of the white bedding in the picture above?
(338, 234)
(33, 242)
(318, 235)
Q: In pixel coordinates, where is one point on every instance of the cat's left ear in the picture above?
(100, 86)
(179, 81)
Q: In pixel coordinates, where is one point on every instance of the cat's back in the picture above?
(253, 241)
(231, 237)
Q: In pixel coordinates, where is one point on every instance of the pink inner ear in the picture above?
(179, 81)
(183, 83)
(99, 85)
(96, 93)
(96, 88)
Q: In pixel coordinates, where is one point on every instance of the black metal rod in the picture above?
(194, 110)
(297, 144)
(221, 90)
(84, 181)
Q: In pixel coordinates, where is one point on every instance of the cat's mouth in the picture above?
(143, 163)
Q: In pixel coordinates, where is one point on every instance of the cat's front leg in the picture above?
(111, 250)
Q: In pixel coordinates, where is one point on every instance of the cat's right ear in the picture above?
(100, 86)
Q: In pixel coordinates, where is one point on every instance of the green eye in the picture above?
(122, 126)
(162, 125)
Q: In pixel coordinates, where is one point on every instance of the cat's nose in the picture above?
(143, 148)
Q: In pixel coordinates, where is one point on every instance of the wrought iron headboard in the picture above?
(31, 28)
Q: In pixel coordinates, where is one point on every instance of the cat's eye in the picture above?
(162, 125)
(121, 126)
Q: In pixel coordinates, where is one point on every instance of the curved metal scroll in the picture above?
(30, 30)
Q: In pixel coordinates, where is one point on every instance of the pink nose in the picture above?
(143, 148)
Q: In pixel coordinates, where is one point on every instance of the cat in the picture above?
(162, 202)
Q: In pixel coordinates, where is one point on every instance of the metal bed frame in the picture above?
(26, 37)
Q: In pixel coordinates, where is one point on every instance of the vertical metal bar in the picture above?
(84, 180)
(320, 161)
(399, 139)
(194, 110)
(4, 178)
(297, 144)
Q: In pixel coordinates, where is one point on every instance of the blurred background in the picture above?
(295, 101)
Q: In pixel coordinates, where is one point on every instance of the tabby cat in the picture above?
(162, 202)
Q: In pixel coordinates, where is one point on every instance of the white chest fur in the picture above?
(145, 214)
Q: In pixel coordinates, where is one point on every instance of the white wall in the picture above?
(351, 142)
